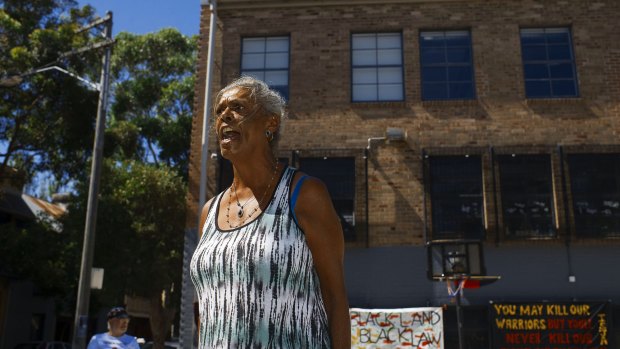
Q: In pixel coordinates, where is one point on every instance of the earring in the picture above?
(269, 135)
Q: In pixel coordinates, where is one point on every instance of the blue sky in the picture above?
(146, 16)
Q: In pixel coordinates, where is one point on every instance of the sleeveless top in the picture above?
(257, 286)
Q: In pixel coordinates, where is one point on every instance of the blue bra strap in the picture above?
(295, 194)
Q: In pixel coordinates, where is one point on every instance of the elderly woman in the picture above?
(268, 269)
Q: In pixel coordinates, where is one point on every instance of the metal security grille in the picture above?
(456, 197)
(595, 187)
(343, 172)
(527, 195)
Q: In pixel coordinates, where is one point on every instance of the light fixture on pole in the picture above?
(83, 297)
(15, 80)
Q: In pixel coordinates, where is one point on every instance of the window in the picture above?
(456, 197)
(548, 63)
(446, 64)
(267, 59)
(377, 63)
(338, 174)
(526, 192)
(595, 185)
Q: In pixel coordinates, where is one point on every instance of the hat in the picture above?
(118, 312)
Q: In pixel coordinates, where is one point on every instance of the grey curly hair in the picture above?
(269, 99)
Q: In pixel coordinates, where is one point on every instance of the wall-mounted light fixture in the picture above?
(392, 134)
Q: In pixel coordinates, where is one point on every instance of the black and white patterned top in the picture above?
(257, 286)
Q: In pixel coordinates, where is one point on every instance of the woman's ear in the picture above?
(273, 124)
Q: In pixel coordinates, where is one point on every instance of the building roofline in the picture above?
(249, 4)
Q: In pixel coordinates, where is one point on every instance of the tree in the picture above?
(47, 125)
(154, 92)
(37, 251)
(47, 122)
(139, 238)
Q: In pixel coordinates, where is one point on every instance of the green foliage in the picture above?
(47, 123)
(139, 234)
(154, 91)
(48, 120)
(37, 252)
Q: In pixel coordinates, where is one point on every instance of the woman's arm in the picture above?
(318, 219)
(203, 218)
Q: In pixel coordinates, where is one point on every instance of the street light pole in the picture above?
(187, 325)
(83, 297)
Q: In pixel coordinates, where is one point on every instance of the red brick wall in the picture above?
(323, 117)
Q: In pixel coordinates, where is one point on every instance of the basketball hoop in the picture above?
(460, 263)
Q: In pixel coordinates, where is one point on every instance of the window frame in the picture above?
(572, 201)
(377, 67)
(360, 237)
(548, 63)
(447, 66)
(283, 90)
(552, 197)
(432, 200)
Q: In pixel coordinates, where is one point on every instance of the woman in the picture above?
(268, 269)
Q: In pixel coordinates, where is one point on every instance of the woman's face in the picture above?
(240, 123)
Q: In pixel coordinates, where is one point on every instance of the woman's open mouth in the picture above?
(228, 135)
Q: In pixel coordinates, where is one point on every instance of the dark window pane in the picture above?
(564, 88)
(433, 56)
(534, 53)
(547, 57)
(456, 197)
(430, 74)
(460, 38)
(561, 71)
(434, 91)
(538, 89)
(559, 52)
(559, 35)
(459, 73)
(536, 71)
(461, 90)
(595, 187)
(526, 192)
(432, 39)
(459, 55)
(532, 36)
(338, 174)
(450, 70)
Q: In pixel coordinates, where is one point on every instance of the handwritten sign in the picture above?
(420, 328)
(550, 325)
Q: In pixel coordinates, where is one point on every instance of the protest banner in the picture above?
(397, 328)
(552, 325)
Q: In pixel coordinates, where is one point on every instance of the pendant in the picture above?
(240, 212)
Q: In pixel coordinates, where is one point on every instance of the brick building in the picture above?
(512, 114)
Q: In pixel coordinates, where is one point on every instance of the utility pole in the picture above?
(187, 326)
(83, 298)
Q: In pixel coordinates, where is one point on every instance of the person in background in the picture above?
(268, 269)
(115, 338)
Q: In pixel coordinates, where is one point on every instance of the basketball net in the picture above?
(459, 287)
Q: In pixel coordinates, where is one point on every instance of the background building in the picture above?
(26, 315)
(512, 115)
